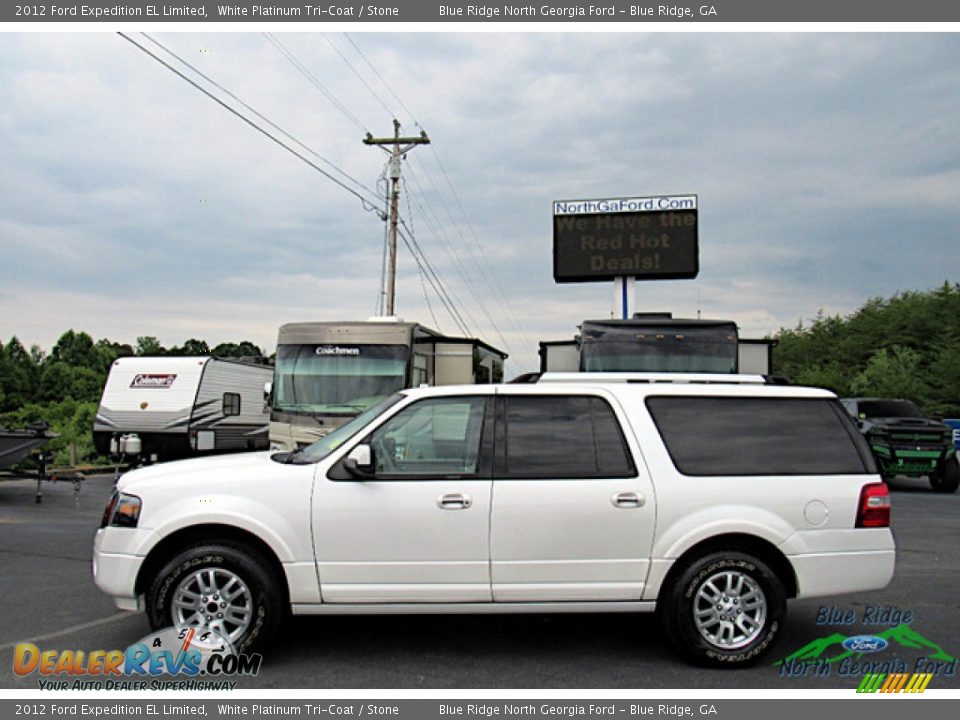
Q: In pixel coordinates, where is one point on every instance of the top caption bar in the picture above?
(420, 11)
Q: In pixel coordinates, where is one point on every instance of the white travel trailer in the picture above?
(175, 407)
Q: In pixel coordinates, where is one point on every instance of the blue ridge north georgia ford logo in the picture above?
(865, 643)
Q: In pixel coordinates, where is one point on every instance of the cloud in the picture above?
(827, 167)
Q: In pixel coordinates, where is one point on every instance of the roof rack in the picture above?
(652, 377)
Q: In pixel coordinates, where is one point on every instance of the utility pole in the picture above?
(401, 146)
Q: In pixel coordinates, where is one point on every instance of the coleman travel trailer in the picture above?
(164, 408)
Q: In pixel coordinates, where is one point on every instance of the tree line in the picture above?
(63, 387)
(904, 346)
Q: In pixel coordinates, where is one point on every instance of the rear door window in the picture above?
(759, 436)
(563, 437)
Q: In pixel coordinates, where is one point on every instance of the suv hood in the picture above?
(199, 472)
(906, 424)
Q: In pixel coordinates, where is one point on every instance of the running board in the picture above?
(470, 608)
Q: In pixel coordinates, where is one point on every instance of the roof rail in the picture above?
(652, 377)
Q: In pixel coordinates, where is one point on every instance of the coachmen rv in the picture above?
(330, 372)
(164, 408)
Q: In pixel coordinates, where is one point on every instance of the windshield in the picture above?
(888, 408)
(330, 442)
(337, 379)
(705, 357)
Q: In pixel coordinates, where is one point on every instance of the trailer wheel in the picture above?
(225, 588)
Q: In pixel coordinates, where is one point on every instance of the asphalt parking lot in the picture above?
(48, 598)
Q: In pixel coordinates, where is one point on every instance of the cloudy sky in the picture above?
(827, 168)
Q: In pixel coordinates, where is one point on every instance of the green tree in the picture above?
(892, 373)
(108, 352)
(59, 381)
(243, 349)
(19, 375)
(191, 347)
(75, 349)
(149, 345)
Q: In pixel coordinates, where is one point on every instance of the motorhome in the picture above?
(328, 372)
(658, 342)
(164, 408)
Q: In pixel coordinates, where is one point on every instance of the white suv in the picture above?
(710, 499)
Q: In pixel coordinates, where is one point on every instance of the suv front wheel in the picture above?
(947, 477)
(225, 588)
(724, 609)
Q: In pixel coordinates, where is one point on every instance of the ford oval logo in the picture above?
(865, 643)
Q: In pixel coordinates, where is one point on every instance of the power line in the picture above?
(482, 255)
(423, 283)
(359, 77)
(293, 60)
(257, 113)
(438, 232)
(463, 274)
(380, 78)
(434, 280)
(367, 205)
(481, 260)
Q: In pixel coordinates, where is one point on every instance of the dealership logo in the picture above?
(865, 643)
(871, 654)
(894, 682)
(152, 381)
(198, 659)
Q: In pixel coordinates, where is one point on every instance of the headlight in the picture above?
(122, 510)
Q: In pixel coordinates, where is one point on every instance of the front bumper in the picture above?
(895, 459)
(114, 570)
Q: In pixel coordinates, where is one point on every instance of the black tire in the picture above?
(258, 598)
(677, 606)
(947, 477)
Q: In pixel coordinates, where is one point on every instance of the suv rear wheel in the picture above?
(225, 588)
(724, 609)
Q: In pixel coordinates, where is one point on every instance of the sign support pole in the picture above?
(624, 296)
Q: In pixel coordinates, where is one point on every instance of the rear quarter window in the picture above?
(759, 436)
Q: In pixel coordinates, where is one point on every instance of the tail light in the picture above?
(874, 507)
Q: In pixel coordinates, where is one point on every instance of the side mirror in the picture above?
(359, 462)
(267, 390)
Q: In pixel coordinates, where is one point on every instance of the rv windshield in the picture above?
(339, 380)
(328, 443)
(648, 357)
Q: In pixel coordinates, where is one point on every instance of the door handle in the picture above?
(454, 501)
(628, 500)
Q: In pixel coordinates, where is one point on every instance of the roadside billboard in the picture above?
(649, 238)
